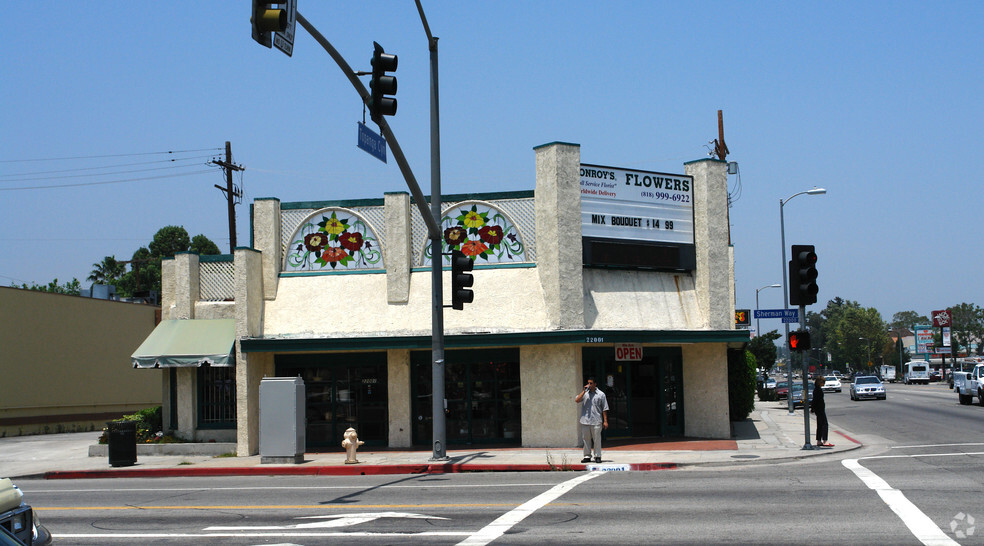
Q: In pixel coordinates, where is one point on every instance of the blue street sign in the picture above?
(777, 313)
(372, 143)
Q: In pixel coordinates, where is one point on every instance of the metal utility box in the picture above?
(282, 420)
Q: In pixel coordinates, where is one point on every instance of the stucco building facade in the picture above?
(339, 293)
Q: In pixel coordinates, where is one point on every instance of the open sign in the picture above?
(625, 352)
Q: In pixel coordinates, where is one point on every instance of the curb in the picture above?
(351, 470)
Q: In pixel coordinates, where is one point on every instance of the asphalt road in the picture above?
(918, 480)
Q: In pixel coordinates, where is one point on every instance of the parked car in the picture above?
(797, 394)
(782, 390)
(831, 384)
(770, 383)
(18, 518)
(867, 386)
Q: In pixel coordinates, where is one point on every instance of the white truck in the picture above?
(967, 385)
(916, 371)
(887, 373)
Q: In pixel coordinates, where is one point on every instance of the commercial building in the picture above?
(621, 274)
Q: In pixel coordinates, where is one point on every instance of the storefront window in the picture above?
(482, 389)
(216, 397)
(342, 391)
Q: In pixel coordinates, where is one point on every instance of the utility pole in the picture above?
(231, 192)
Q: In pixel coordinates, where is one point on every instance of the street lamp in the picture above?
(785, 301)
(758, 331)
(867, 341)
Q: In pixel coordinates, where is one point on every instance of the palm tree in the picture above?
(107, 272)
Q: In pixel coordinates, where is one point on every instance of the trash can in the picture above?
(122, 442)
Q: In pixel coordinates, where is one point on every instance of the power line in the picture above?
(106, 155)
(105, 182)
(172, 160)
(30, 179)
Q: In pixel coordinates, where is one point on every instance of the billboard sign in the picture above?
(636, 206)
(924, 339)
(942, 318)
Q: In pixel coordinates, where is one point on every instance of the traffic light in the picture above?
(803, 287)
(266, 20)
(382, 84)
(799, 340)
(461, 280)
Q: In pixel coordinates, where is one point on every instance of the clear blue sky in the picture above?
(878, 102)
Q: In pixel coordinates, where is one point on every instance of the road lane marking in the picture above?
(291, 534)
(273, 507)
(325, 521)
(938, 445)
(918, 523)
(506, 521)
(916, 456)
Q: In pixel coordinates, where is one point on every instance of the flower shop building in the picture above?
(619, 274)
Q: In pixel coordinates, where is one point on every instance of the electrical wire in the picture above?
(32, 179)
(105, 182)
(106, 155)
(107, 166)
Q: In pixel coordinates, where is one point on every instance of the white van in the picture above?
(916, 371)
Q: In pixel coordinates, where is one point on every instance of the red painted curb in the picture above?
(347, 470)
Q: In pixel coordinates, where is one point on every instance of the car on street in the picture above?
(19, 519)
(797, 394)
(831, 384)
(867, 386)
(770, 383)
(782, 390)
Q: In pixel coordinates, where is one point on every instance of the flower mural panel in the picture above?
(333, 239)
(480, 231)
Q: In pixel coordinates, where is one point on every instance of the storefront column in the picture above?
(267, 240)
(550, 378)
(715, 273)
(558, 233)
(705, 390)
(398, 384)
(399, 256)
(250, 368)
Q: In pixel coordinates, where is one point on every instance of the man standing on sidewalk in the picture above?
(594, 417)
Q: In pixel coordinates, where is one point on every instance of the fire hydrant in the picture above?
(351, 443)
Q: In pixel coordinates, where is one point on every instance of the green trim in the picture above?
(491, 196)
(341, 272)
(266, 199)
(705, 159)
(215, 258)
(588, 338)
(513, 265)
(556, 142)
(344, 203)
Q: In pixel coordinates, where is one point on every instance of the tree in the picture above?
(107, 272)
(73, 288)
(763, 347)
(859, 337)
(908, 320)
(741, 384)
(967, 327)
(202, 246)
(145, 266)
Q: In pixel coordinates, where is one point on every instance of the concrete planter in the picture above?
(213, 449)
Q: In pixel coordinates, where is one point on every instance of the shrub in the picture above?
(149, 425)
(741, 384)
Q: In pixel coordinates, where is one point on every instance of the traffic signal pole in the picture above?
(806, 383)
(431, 218)
(438, 416)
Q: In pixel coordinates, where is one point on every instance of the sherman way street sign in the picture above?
(777, 313)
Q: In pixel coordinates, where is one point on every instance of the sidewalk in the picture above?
(769, 434)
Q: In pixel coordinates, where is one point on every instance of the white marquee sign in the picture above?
(637, 206)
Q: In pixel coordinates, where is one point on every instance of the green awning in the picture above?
(188, 343)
